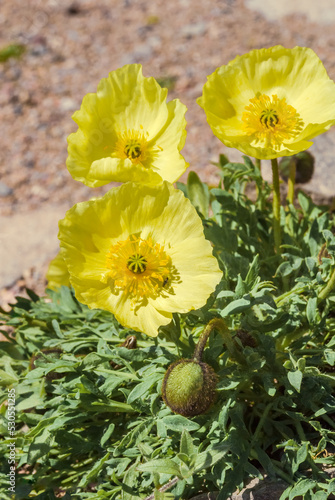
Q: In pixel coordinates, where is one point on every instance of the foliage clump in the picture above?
(90, 417)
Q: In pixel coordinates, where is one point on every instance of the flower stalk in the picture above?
(219, 325)
(276, 205)
(328, 288)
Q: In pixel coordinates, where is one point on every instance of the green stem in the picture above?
(300, 431)
(278, 471)
(328, 288)
(276, 205)
(258, 164)
(285, 341)
(291, 181)
(296, 290)
(219, 325)
(260, 424)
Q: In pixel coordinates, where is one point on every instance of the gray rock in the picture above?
(141, 54)
(5, 190)
(194, 29)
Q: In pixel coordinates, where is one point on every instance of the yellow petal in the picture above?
(57, 274)
(101, 237)
(295, 77)
(127, 108)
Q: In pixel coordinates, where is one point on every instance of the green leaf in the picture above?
(198, 193)
(236, 307)
(93, 473)
(210, 457)
(129, 484)
(300, 457)
(330, 356)
(55, 326)
(107, 434)
(295, 379)
(40, 446)
(301, 487)
(311, 310)
(253, 273)
(161, 466)
(7, 379)
(178, 423)
(31, 402)
(186, 445)
(140, 389)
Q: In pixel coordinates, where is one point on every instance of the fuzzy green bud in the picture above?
(189, 387)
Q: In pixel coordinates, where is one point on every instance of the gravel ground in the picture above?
(71, 46)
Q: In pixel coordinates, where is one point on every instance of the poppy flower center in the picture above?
(137, 263)
(271, 121)
(139, 267)
(132, 145)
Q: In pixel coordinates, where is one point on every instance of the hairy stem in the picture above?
(276, 205)
(219, 325)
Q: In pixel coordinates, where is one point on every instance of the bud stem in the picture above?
(219, 325)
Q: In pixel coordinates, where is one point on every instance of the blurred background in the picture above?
(53, 52)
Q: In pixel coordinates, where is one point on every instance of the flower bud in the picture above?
(189, 387)
(304, 167)
(246, 339)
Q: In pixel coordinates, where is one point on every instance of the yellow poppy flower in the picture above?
(270, 102)
(57, 274)
(127, 132)
(140, 253)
